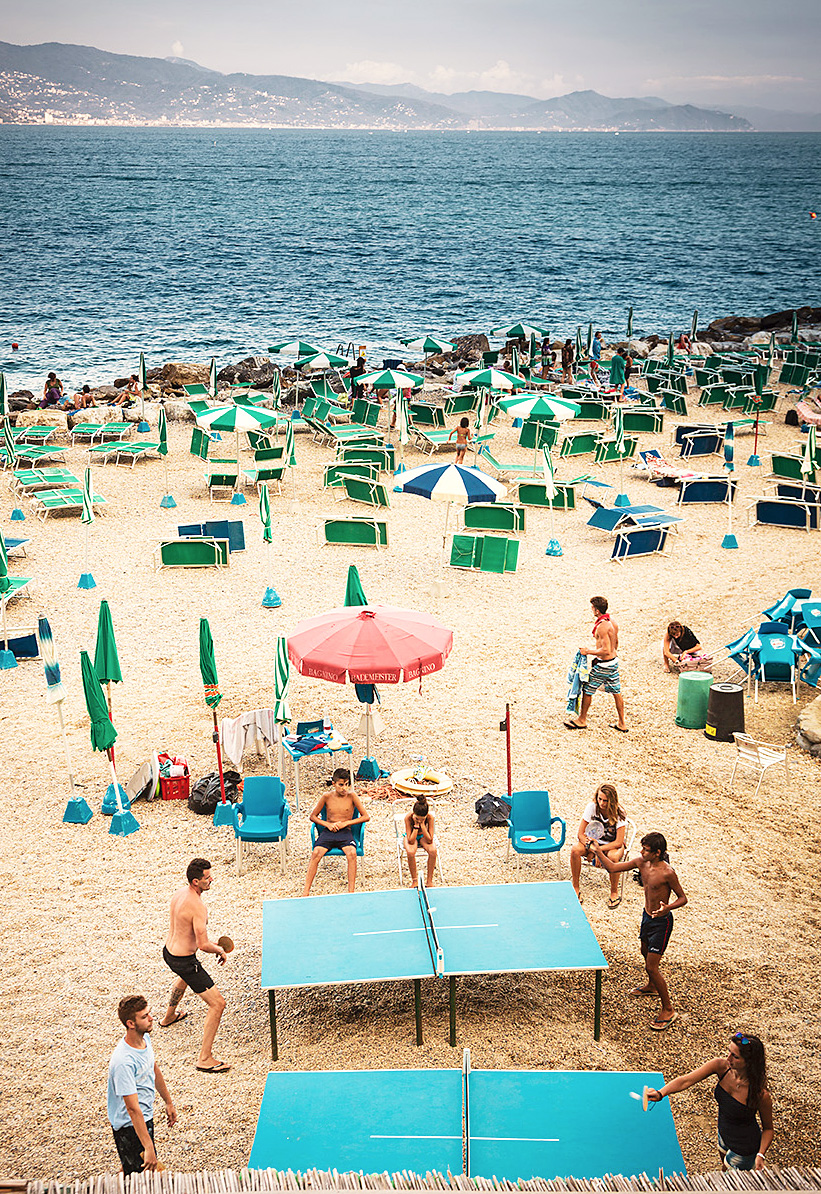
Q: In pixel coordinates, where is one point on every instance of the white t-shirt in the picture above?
(598, 827)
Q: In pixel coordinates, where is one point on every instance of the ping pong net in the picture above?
(437, 957)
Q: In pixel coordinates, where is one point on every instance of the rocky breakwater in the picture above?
(733, 331)
(808, 731)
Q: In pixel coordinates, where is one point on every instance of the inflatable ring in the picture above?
(438, 784)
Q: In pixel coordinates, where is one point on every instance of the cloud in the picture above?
(727, 80)
(498, 76)
(375, 72)
(178, 49)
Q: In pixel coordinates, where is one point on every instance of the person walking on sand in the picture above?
(568, 357)
(604, 669)
(659, 881)
(133, 1081)
(595, 357)
(618, 369)
(463, 440)
(187, 933)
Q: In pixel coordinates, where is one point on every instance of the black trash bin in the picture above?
(725, 712)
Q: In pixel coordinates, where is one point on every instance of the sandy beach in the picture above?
(85, 913)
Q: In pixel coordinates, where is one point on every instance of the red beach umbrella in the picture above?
(370, 644)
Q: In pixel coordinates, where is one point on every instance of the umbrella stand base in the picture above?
(753, 462)
(437, 588)
(7, 661)
(224, 814)
(78, 812)
(238, 500)
(123, 823)
(729, 541)
(168, 503)
(369, 770)
(271, 600)
(17, 515)
(86, 581)
(110, 806)
(622, 500)
(554, 548)
(143, 426)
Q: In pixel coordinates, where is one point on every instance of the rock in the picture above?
(637, 348)
(21, 400)
(700, 349)
(809, 721)
(96, 414)
(43, 418)
(179, 373)
(471, 347)
(179, 412)
(257, 371)
(783, 319)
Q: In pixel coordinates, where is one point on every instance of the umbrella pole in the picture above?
(367, 731)
(110, 714)
(445, 533)
(115, 781)
(219, 754)
(65, 746)
(5, 632)
(509, 764)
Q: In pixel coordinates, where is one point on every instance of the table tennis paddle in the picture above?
(643, 1098)
(529, 837)
(225, 943)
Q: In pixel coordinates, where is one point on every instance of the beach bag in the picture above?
(206, 794)
(492, 810)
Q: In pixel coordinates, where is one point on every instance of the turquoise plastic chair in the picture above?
(530, 818)
(358, 832)
(262, 815)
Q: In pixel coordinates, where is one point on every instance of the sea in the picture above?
(188, 243)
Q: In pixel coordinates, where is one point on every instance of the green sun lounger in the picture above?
(48, 500)
(534, 493)
(675, 403)
(33, 435)
(484, 553)
(579, 444)
(461, 404)
(371, 493)
(193, 552)
(92, 431)
(27, 480)
(33, 453)
(424, 414)
(269, 467)
(788, 468)
(713, 395)
(18, 586)
(365, 413)
(221, 475)
(356, 532)
(122, 450)
(643, 419)
(606, 451)
(494, 516)
(537, 433)
(335, 474)
(508, 470)
(431, 439)
(384, 458)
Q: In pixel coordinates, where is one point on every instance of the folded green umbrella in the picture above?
(354, 593)
(103, 734)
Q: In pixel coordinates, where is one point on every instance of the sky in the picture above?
(719, 53)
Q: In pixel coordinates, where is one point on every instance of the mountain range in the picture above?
(57, 83)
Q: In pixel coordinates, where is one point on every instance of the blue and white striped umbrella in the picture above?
(729, 445)
(55, 691)
(454, 483)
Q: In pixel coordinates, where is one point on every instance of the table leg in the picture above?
(452, 1000)
(272, 1016)
(296, 783)
(597, 1010)
(417, 1008)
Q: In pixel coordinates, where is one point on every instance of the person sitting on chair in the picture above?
(679, 640)
(340, 806)
(419, 831)
(602, 821)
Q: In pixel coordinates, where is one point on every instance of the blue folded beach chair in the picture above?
(706, 489)
(638, 541)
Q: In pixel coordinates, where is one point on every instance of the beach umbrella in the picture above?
(630, 324)
(17, 514)
(495, 379)
(7, 659)
(771, 355)
(299, 348)
(427, 343)
(212, 378)
(87, 581)
(532, 406)
(729, 540)
(554, 547)
(694, 326)
(78, 811)
(167, 502)
(514, 363)
(403, 426)
(282, 677)
(290, 454)
(761, 373)
(579, 345)
(455, 484)
(808, 463)
(223, 814)
(3, 400)
(103, 737)
(391, 379)
(106, 659)
(521, 331)
(276, 388)
(271, 600)
(142, 383)
(794, 328)
(671, 351)
(589, 343)
(621, 447)
(237, 419)
(321, 360)
(354, 593)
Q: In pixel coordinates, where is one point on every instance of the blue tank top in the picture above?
(737, 1124)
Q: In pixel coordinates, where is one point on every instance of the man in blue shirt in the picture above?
(595, 357)
(133, 1080)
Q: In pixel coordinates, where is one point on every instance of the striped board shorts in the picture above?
(603, 672)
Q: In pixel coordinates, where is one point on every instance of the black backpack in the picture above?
(492, 810)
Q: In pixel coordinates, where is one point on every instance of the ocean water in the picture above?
(188, 243)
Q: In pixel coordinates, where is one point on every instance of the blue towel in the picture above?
(578, 674)
(308, 743)
(367, 694)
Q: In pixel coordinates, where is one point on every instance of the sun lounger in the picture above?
(27, 480)
(643, 418)
(784, 512)
(461, 404)
(360, 489)
(639, 541)
(675, 403)
(509, 470)
(18, 586)
(205, 552)
(12, 544)
(430, 439)
(48, 500)
(606, 452)
(232, 529)
(423, 414)
(92, 431)
(33, 435)
(334, 474)
(581, 443)
(356, 532)
(788, 468)
(534, 493)
(269, 466)
(610, 518)
(364, 413)
(494, 516)
(122, 451)
(384, 458)
(23, 642)
(484, 553)
(707, 489)
(221, 475)
(538, 433)
(33, 454)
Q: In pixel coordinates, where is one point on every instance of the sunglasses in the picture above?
(740, 1039)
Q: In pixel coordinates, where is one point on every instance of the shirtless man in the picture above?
(340, 807)
(659, 881)
(604, 669)
(187, 933)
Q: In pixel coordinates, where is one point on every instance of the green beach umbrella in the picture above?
(162, 447)
(589, 345)
(87, 581)
(322, 360)
(3, 400)
(236, 418)
(299, 348)
(809, 453)
(354, 593)
(213, 696)
(771, 357)
(553, 548)
(142, 376)
(271, 600)
(212, 378)
(106, 659)
(514, 363)
(621, 447)
(290, 446)
(579, 345)
(391, 379)
(794, 329)
(103, 737)
(8, 442)
(78, 811)
(276, 388)
(671, 350)
(630, 324)
(427, 343)
(531, 406)
(282, 679)
(520, 331)
(729, 540)
(495, 379)
(7, 659)
(694, 326)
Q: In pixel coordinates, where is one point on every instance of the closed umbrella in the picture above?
(403, 426)
(671, 351)
(354, 593)
(78, 811)
(103, 737)
(3, 400)
(579, 345)
(589, 341)
(761, 374)
(212, 378)
(621, 447)
(808, 457)
(694, 327)
(107, 667)
(554, 547)
(290, 454)
(167, 502)
(7, 660)
(223, 814)
(17, 514)
(142, 383)
(282, 677)
(87, 581)
(276, 389)
(630, 323)
(271, 600)
(729, 539)
(794, 328)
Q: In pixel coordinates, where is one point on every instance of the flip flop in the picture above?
(179, 1016)
(660, 1025)
(638, 993)
(614, 901)
(571, 725)
(621, 731)
(219, 1068)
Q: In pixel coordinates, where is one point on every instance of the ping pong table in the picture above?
(413, 934)
(503, 1124)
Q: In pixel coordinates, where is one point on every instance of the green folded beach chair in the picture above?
(675, 403)
(204, 552)
(706, 377)
(324, 391)
(221, 476)
(537, 433)
(461, 404)
(430, 439)
(365, 413)
(356, 532)
(755, 405)
(122, 451)
(370, 493)
(534, 493)
(48, 500)
(606, 452)
(269, 467)
(788, 468)
(484, 553)
(28, 480)
(384, 458)
(335, 474)
(579, 444)
(494, 516)
(200, 443)
(33, 435)
(713, 395)
(423, 414)
(643, 419)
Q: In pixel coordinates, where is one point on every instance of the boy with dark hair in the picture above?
(133, 1080)
(659, 881)
(340, 807)
(604, 667)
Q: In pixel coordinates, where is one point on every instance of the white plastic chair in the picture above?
(629, 837)
(757, 756)
(399, 815)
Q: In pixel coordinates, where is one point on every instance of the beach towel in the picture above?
(253, 730)
(577, 677)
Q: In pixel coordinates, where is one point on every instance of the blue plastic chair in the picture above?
(785, 611)
(262, 815)
(358, 832)
(530, 817)
(775, 659)
(810, 621)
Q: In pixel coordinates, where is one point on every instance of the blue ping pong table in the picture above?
(504, 1124)
(413, 934)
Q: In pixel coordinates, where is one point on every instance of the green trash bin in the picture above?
(693, 698)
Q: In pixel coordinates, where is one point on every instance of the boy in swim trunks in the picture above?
(659, 881)
(340, 807)
(187, 933)
(604, 666)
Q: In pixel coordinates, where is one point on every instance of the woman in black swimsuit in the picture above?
(741, 1093)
